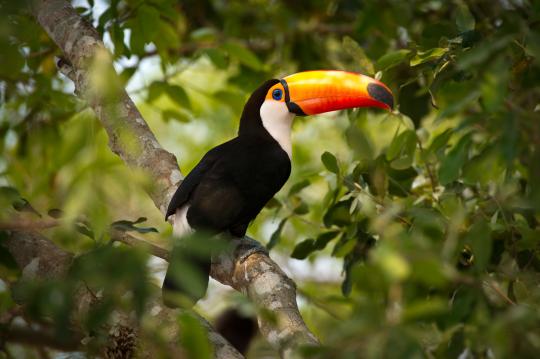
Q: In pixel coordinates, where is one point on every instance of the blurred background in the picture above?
(410, 234)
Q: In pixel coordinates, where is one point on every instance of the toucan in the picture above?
(233, 181)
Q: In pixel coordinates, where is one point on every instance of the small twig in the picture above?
(319, 304)
(21, 224)
(429, 170)
(497, 290)
(292, 213)
(40, 338)
(123, 237)
(379, 202)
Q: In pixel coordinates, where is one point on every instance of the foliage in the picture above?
(431, 210)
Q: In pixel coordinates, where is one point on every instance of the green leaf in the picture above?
(203, 34)
(479, 54)
(126, 74)
(178, 95)
(55, 213)
(428, 271)
(424, 310)
(330, 162)
(493, 87)
(400, 180)
(300, 207)
(156, 89)
(343, 247)
(304, 249)
(402, 149)
(84, 228)
(128, 226)
(148, 20)
(276, 236)
(458, 105)
(439, 141)
(427, 56)
(483, 168)
(324, 238)
(9, 270)
(378, 177)
(392, 59)
(23, 205)
(464, 19)
(338, 214)
(175, 115)
(359, 55)
(194, 337)
(462, 304)
(117, 36)
(298, 186)
(359, 142)
(451, 165)
(479, 238)
(273, 203)
(243, 55)
(217, 57)
(166, 39)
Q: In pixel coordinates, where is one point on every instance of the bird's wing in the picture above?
(192, 180)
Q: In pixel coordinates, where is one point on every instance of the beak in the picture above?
(314, 92)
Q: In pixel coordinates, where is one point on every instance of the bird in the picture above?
(233, 181)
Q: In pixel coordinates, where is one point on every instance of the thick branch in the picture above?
(38, 338)
(248, 268)
(255, 274)
(39, 258)
(22, 224)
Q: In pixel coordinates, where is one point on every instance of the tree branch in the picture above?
(22, 224)
(248, 267)
(39, 338)
(39, 258)
(151, 248)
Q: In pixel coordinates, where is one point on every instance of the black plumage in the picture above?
(233, 181)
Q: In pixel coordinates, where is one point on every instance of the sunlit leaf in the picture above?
(274, 239)
(480, 241)
(243, 55)
(401, 150)
(303, 249)
(178, 95)
(427, 56)
(454, 161)
(194, 337)
(392, 59)
(330, 162)
(464, 19)
(297, 187)
(356, 51)
(127, 226)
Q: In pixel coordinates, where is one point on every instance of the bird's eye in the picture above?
(277, 94)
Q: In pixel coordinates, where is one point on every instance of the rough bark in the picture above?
(39, 258)
(247, 268)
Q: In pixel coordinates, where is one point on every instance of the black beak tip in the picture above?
(381, 94)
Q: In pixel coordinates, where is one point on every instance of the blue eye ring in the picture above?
(277, 94)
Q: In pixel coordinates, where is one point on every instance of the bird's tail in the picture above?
(186, 280)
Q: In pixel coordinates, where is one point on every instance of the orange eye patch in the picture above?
(276, 93)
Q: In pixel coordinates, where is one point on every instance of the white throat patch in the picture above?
(277, 120)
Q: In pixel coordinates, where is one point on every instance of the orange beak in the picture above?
(314, 92)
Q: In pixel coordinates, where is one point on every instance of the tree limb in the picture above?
(22, 224)
(248, 267)
(39, 258)
(38, 338)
